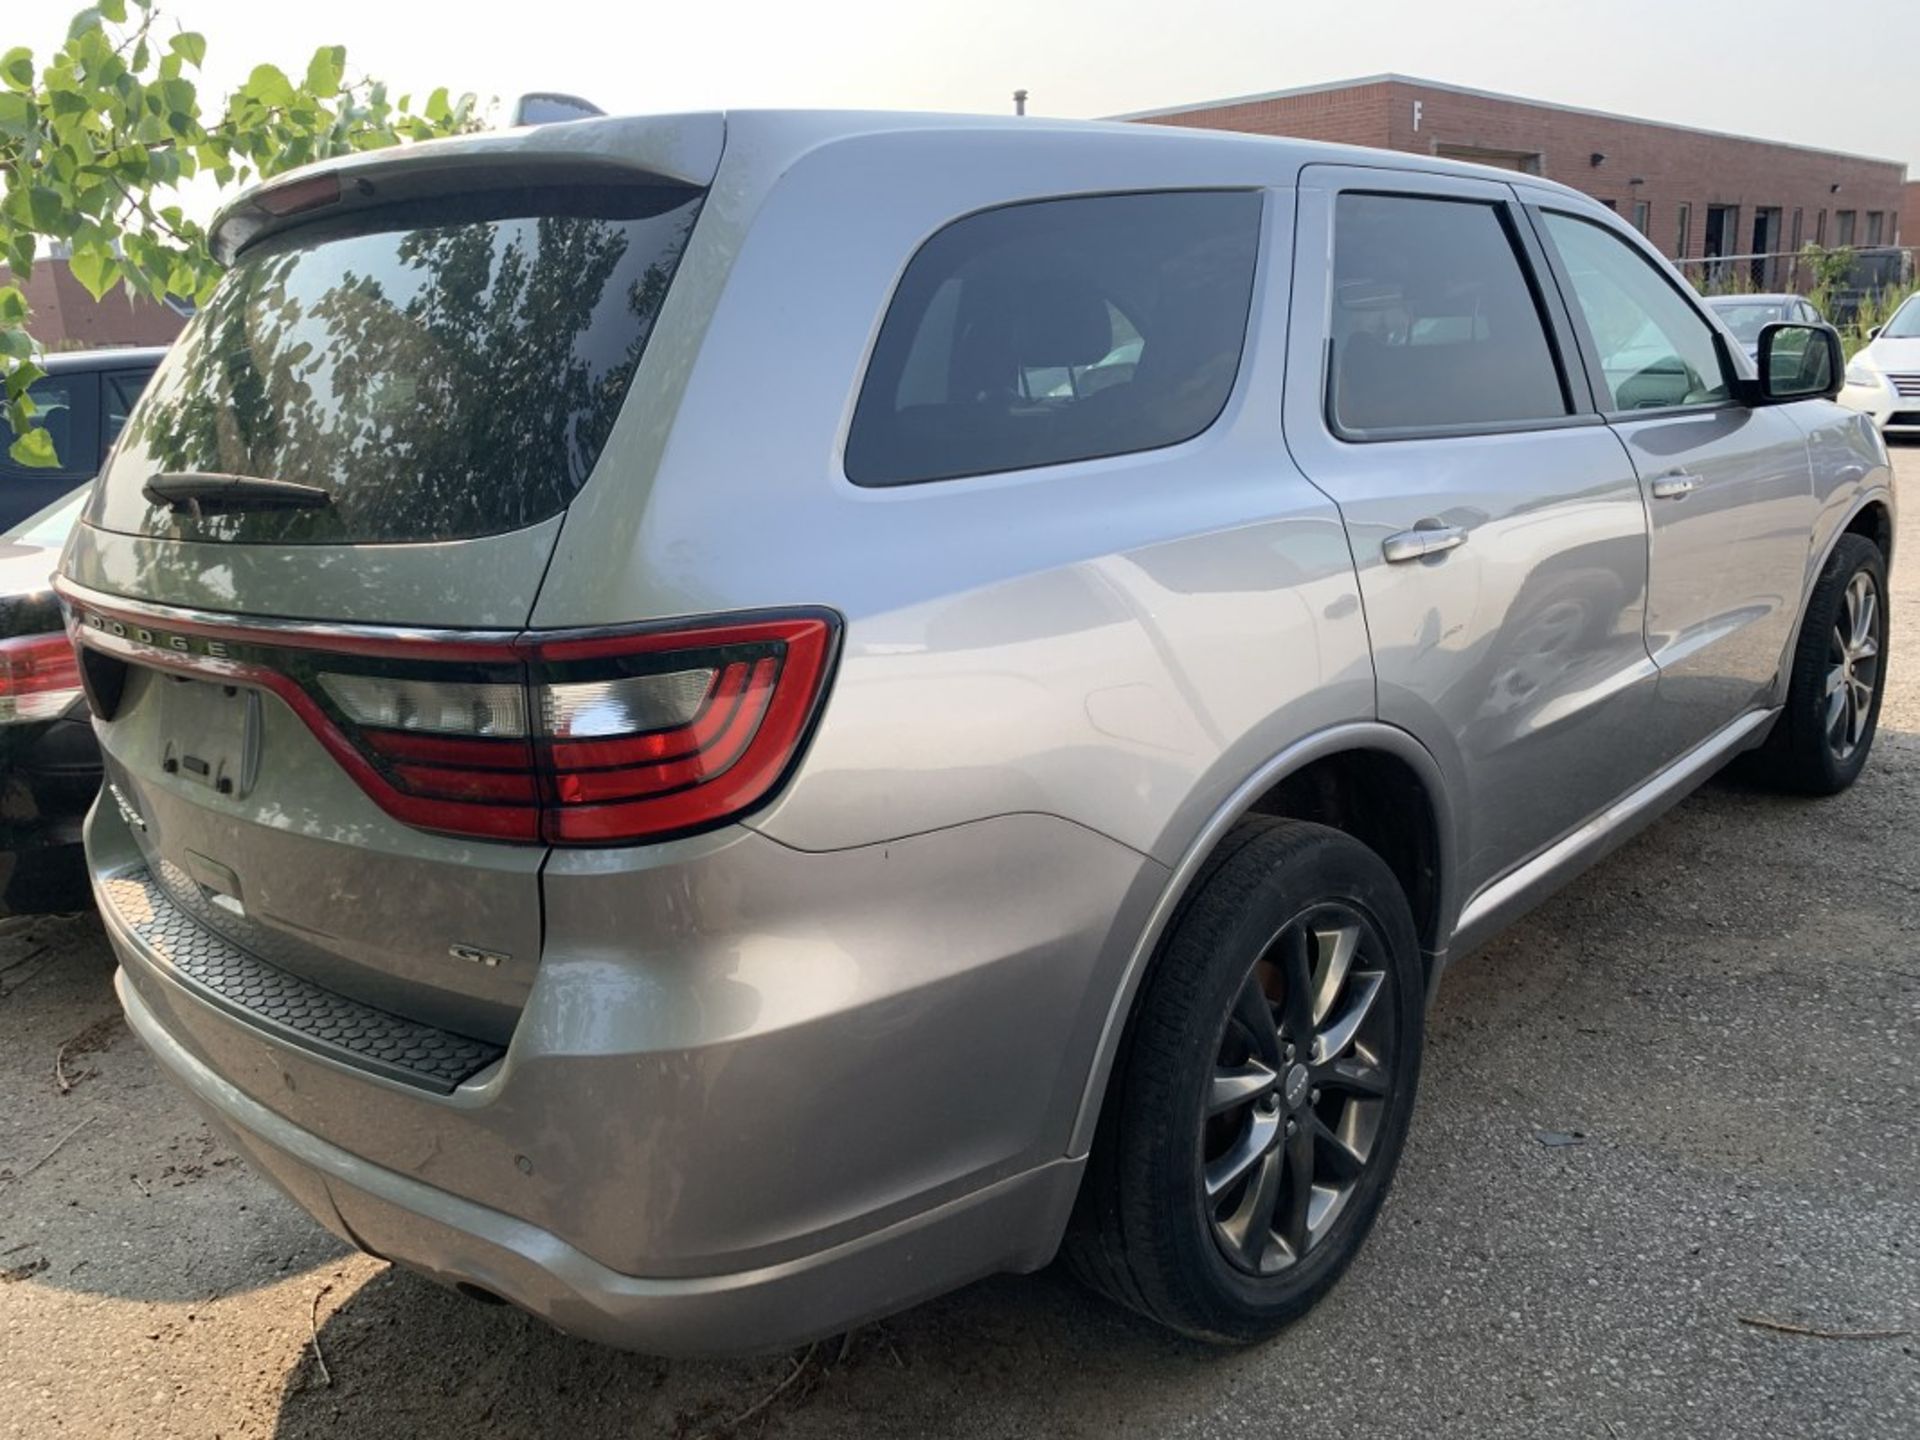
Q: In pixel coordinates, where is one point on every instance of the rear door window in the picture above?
(1059, 330)
(1435, 324)
(443, 369)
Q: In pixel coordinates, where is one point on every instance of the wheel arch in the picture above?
(1363, 778)
(1872, 519)
(1871, 516)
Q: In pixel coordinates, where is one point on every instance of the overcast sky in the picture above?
(1839, 77)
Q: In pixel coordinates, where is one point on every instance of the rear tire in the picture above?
(1263, 1091)
(1821, 740)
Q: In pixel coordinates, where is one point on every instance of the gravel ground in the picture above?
(1727, 1014)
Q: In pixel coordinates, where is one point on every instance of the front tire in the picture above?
(1820, 743)
(1261, 1098)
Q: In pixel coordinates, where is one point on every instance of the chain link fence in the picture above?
(1856, 289)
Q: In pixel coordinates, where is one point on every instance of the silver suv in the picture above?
(718, 724)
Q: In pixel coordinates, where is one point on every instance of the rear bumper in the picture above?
(756, 1095)
(459, 1243)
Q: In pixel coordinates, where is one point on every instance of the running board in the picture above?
(1498, 904)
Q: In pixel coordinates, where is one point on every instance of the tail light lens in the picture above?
(573, 738)
(39, 678)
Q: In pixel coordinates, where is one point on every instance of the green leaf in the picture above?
(34, 450)
(13, 305)
(133, 162)
(22, 378)
(114, 10)
(15, 114)
(325, 69)
(437, 107)
(190, 46)
(269, 85)
(178, 97)
(87, 19)
(45, 210)
(95, 269)
(15, 344)
(16, 68)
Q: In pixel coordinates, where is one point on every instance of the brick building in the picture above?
(1694, 193)
(63, 316)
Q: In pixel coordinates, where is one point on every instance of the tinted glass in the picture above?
(1434, 322)
(117, 394)
(56, 400)
(1655, 349)
(1061, 330)
(443, 371)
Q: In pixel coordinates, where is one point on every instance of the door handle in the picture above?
(1675, 485)
(1429, 537)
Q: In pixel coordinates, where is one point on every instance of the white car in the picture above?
(1883, 380)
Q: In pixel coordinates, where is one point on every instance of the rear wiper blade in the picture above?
(201, 490)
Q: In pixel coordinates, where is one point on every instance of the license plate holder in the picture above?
(210, 734)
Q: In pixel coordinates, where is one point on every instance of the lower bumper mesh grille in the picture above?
(294, 1010)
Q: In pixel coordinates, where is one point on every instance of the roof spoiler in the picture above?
(655, 149)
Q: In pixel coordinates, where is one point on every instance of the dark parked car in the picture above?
(49, 761)
(83, 400)
(1745, 315)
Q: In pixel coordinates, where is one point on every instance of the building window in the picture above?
(1642, 216)
(1799, 225)
(1820, 229)
(1876, 225)
(1844, 219)
(1686, 226)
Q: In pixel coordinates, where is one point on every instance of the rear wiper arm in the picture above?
(201, 490)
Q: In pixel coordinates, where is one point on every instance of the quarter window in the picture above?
(1059, 330)
(1655, 350)
(1434, 323)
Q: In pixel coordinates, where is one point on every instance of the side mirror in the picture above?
(1798, 362)
(1874, 333)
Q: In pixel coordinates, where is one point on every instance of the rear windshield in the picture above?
(1747, 319)
(442, 369)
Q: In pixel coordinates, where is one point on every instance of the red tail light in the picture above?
(39, 678)
(568, 737)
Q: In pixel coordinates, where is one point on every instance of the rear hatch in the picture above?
(302, 574)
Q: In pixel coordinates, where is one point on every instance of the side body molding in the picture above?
(1357, 735)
